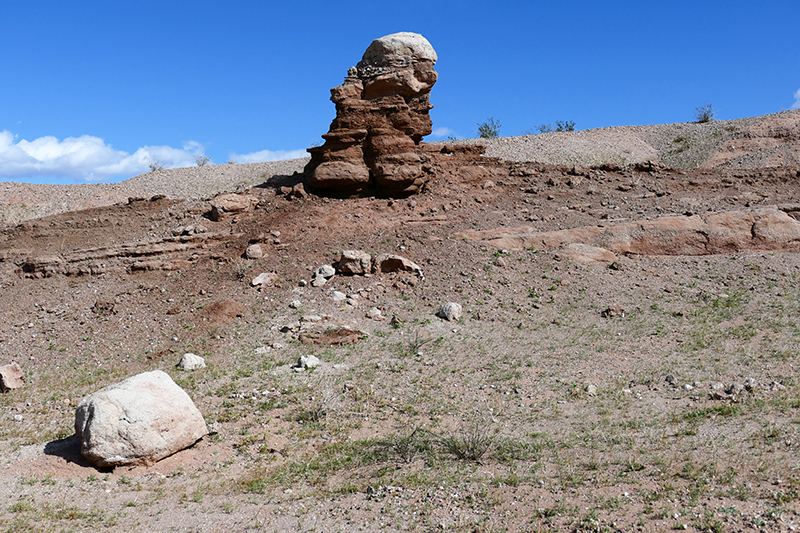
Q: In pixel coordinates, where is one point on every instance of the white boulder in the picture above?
(138, 421)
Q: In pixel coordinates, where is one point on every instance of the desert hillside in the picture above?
(588, 331)
(766, 141)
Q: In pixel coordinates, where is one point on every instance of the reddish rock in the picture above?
(382, 114)
(757, 229)
(230, 204)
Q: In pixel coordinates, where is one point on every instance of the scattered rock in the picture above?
(11, 377)
(735, 389)
(588, 254)
(254, 251)
(138, 421)
(613, 311)
(231, 204)
(338, 296)
(395, 263)
(354, 262)
(326, 271)
(450, 311)
(375, 314)
(720, 395)
(306, 362)
(295, 304)
(591, 389)
(265, 279)
(322, 275)
(190, 362)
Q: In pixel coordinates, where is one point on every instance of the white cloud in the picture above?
(268, 155)
(442, 132)
(796, 100)
(85, 158)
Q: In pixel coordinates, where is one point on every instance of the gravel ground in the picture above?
(682, 145)
(23, 201)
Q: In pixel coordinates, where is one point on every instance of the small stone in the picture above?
(295, 304)
(735, 388)
(613, 311)
(11, 377)
(591, 389)
(338, 296)
(717, 386)
(720, 395)
(326, 271)
(672, 380)
(190, 362)
(354, 262)
(306, 362)
(749, 384)
(776, 386)
(265, 279)
(450, 311)
(374, 313)
(254, 251)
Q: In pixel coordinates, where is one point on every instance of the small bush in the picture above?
(240, 267)
(704, 113)
(469, 443)
(155, 165)
(201, 160)
(489, 129)
(407, 446)
(565, 125)
(561, 125)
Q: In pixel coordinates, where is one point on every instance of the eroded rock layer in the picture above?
(382, 114)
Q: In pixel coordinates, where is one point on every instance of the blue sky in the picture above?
(92, 90)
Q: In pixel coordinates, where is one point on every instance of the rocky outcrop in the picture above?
(382, 114)
(757, 229)
(138, 421)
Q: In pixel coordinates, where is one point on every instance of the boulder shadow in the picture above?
(69, 449)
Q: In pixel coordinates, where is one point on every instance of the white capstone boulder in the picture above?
(138, 421)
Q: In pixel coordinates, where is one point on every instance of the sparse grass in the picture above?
(469, 443)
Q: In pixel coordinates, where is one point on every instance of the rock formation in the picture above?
(138, 421)
(721, 233)
(382, 114)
